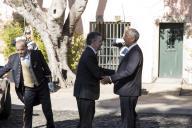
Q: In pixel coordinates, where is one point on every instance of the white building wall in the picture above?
(5, 11)
(187, 60)
(142, 16)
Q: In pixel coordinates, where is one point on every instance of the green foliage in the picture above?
(10, 32)
(40, 44)
(14, 29)
(75, 51)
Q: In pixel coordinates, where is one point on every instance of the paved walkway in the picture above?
(156, 98)
(69, 119)
(160, 106)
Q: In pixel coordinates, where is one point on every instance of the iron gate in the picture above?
(108, 56)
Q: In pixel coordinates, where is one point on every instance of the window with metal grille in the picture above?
(108, 56)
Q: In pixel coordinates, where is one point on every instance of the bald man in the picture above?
(31, 76)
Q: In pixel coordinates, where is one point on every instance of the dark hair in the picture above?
(27, 33)
(91, 36)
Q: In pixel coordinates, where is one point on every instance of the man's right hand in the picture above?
(106, 80)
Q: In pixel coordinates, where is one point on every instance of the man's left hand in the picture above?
(51, 87)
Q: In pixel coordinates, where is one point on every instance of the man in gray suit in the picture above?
(31, 75)
(127, 79)
(89, 74)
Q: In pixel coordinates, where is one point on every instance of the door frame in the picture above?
(159, 52)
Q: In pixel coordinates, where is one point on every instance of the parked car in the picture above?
(5, 98)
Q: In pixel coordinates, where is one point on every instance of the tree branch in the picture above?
(74, 15)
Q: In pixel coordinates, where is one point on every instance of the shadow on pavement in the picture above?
(69, 119)
(186, 92)
(161, 102)
(107, 121)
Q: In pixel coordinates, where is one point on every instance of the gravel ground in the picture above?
(69, 119)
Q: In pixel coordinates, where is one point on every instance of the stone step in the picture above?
(163, 86)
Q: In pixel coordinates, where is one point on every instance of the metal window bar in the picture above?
(108, 56)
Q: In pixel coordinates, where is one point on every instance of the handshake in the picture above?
(106, 80)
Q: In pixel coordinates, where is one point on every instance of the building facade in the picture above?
(165, 28)
(165, 33)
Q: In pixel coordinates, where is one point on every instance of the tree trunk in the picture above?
(55, 34)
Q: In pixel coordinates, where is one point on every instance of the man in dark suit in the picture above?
(89, 74)
(127, 79)
(31, 75)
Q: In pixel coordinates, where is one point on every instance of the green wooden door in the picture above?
(171, 50)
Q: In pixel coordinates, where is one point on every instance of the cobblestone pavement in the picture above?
(69, 119)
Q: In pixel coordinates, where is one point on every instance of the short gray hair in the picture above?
(134, 33)
(20, 38)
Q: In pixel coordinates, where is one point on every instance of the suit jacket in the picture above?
(87, 83)
(38, 64)
(128, 78)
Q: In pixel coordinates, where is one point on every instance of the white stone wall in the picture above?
(142, 16)
(5, 11)
(187, 60)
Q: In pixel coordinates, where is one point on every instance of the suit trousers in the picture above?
(42, 93)
(128, 113)
(86, 110)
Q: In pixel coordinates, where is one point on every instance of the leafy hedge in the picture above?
(75, 51)
(14, 29)
(9, 33)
